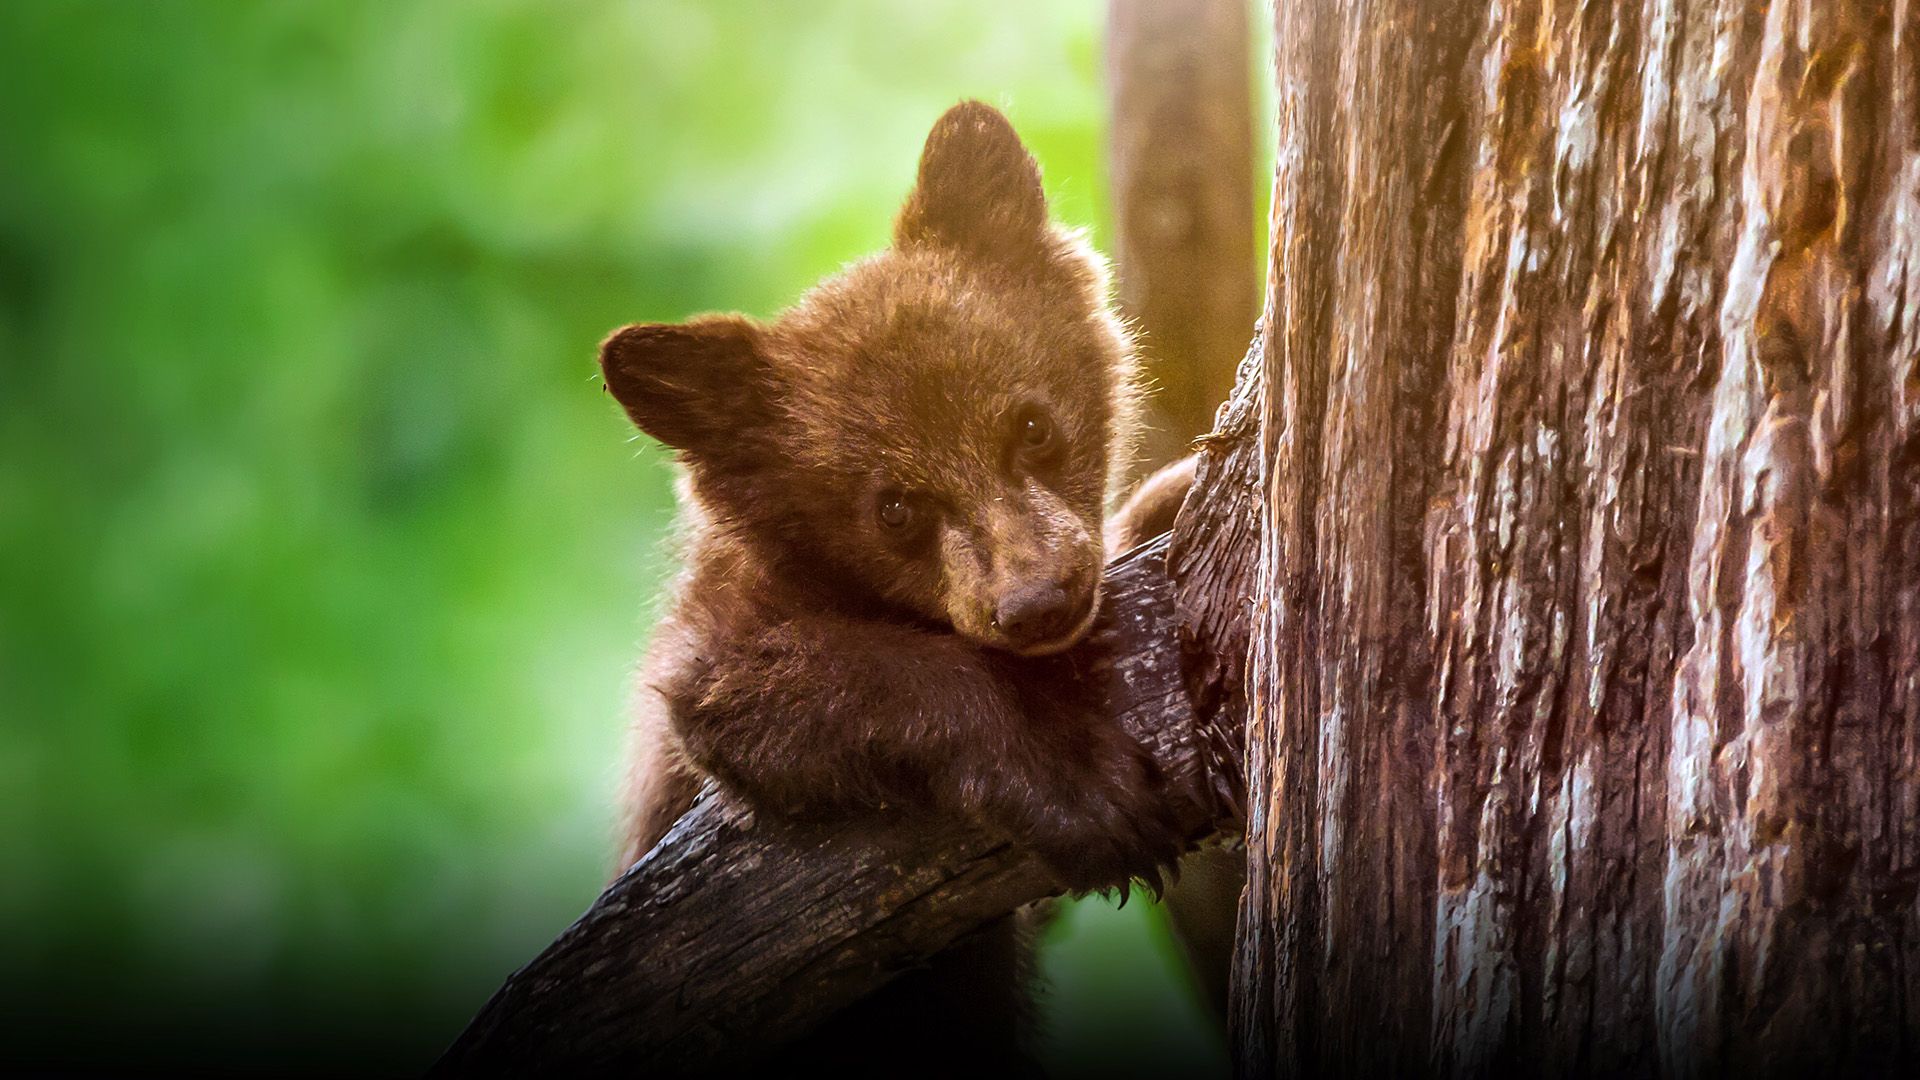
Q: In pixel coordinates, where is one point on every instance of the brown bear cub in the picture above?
(894, 495)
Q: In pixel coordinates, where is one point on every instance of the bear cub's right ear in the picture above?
(694, 386)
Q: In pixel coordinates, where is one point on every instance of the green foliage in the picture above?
(322, 555)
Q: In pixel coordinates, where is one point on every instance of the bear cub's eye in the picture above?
(1033, 429)
(895, 510)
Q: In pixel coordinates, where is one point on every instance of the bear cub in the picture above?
(893, 496)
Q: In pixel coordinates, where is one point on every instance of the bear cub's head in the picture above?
(931, 433)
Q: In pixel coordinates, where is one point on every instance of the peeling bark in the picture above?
(1583, 733)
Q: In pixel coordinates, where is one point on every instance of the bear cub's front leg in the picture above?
(812, 716)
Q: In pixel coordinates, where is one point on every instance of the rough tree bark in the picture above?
(1583, 730)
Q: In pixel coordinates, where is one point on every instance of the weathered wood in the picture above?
(1583, 722)
(1212, 558)
(1180, 144)
(733, 936)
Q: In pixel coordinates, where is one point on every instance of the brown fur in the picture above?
(1151, 508)
(821, 662)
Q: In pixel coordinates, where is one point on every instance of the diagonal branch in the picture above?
(732, 936)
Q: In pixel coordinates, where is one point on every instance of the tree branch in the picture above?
(733, 936)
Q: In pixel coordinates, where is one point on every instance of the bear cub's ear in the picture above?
(979, 190)
(695, 386)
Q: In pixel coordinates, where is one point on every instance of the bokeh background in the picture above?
(322, 554)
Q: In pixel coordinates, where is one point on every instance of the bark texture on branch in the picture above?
(1584, 731)
(1180, 141)
(733, 937)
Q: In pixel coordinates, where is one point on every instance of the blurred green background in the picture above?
(322, 554)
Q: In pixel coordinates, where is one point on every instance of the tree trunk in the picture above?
(1180, 89)
(1586, 643)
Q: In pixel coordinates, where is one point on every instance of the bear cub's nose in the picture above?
(1039, 613)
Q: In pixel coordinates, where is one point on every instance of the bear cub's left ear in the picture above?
(696, 386)
(978, 191)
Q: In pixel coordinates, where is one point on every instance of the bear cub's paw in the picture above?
(1102, 822)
